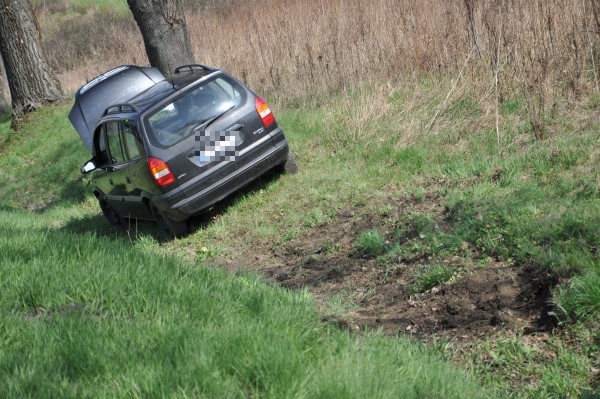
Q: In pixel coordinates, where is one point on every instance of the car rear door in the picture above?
(113, 177)
(214, 129)
(137, 177)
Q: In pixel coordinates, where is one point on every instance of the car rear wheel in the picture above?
(290, 166)
(111, 215)
(168, 226)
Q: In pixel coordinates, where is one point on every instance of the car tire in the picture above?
(290, 166)
(111, 215)
(167, 226)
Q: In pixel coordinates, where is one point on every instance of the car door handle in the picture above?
(235, 128)
(111, 182)
(128, 179)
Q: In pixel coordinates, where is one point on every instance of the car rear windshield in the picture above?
(193, 111)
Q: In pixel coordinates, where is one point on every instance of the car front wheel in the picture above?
(111, 215)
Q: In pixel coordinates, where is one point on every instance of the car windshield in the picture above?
(192, 111)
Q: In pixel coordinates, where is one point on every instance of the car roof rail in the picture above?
(120, 109)
(191, 67)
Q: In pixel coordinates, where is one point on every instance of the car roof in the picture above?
(126, 92)
(167, 87)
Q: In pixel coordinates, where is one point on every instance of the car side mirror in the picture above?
(88, 166)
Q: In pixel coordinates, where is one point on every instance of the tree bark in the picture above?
(165, 34)
(3, 103)
(30, 80)
(3, 106)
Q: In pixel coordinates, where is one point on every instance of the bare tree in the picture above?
(165, 34)
(30, 80)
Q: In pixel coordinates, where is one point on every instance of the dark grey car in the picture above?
(166, 149)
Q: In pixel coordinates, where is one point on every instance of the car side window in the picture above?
(130, 142)
(114, 143)
(101, 153)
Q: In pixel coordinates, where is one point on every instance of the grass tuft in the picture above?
(579, 299)
(431, 276)
(370, 243)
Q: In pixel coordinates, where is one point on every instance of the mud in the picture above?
(486, 296)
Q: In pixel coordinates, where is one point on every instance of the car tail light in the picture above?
(266, 116)
(160, 171)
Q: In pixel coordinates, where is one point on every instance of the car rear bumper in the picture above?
(179, 207)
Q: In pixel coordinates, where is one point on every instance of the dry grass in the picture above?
(544, 52)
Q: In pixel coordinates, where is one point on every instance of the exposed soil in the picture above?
(486, 295)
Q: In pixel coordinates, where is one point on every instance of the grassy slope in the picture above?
(527, 202)
(87, 311)
(531, 203)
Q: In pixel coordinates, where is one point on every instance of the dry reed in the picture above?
(541, 51)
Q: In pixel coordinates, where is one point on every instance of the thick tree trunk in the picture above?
(30, 80)
(165, 34)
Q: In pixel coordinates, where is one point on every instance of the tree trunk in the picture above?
(30, 80)
(165, 34)
(3, 103)
(3, 106)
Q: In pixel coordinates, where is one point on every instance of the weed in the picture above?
(580, 298)
(511, 107)
(341, 304)
(391, 255)
(317, 217)
(370, 243)
(548, 369)
(330, 247)
(422, 224)
(208, 252)
(411, 159)
(386, 211)
(431, 276)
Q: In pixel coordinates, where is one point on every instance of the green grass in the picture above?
(83, 6)
(48, 152)
(580, 298)
(86, 315)
(533, 204)
(430, 276)
(88, 311)
(4, 129)
(529, 368)
(119, 6)
(370, 242)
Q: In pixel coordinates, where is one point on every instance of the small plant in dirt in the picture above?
(386, 211)
(341, 304)
(370, 242)
(430, 277)
(208, 252)
(422, 224)
(392, 255)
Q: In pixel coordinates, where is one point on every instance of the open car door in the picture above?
(113, 87)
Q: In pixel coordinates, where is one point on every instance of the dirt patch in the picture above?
(474, 306)
(483, 296)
